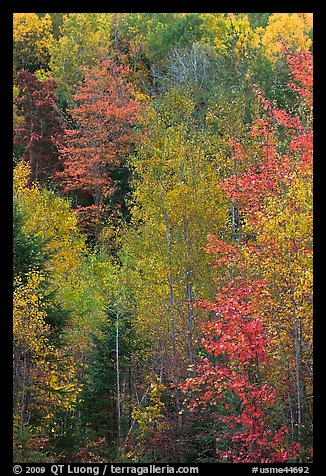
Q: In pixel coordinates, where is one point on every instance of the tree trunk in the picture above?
(297, 374)
(170, 281)
(118, 377)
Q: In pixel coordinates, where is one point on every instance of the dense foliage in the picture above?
(162, 237)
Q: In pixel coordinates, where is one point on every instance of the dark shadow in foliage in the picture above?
(29, 251)
(98, 400)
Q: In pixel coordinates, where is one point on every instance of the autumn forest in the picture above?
(162, 225)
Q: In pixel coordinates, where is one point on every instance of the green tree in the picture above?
(98, 405)
(258, 20)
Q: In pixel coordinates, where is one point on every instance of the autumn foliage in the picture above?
(101, 133)
(230, 380)
(41, 128)
(163, 238)
(239, 342)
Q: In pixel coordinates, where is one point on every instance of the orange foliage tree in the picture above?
(101, 133)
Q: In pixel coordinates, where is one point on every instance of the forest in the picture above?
(162, 237)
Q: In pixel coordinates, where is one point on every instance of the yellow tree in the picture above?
(84, 36)
(33, 38)
(291, 29)
(51, 217)
(44, 380)
(224, 29)
(176, 204)
(51, 363)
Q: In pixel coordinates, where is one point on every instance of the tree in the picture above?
(179, 328)
(41, 129)
(57, 20)
(229, 381)
(28, 249)
(270, 69)
(48, 220)
(171, 30)
(258, 20)
(103, 133)
(289, 28)
(129, 42)
(44, 377)
(275, 244)
(191, 68)
(175, 203)
(103, 397)
(83, 38)
(32, 37)
(53, 284)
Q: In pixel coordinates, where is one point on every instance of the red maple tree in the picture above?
(228, 380)
(41, 129)
(101, 133)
